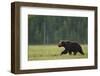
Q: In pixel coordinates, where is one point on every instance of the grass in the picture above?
(51, 52)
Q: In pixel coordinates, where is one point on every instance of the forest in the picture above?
(43, 29)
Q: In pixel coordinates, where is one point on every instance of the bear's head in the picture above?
(61, 44)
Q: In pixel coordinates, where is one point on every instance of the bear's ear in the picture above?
(68, 42)
(63, 43)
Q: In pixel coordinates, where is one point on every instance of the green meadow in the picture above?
(52, 52)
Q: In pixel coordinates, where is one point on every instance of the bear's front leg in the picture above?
(64, 52)
(70, 52)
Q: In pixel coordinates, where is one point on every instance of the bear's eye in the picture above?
(63, 43)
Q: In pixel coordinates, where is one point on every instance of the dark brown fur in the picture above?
(70, 47)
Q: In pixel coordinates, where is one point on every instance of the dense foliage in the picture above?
(52, 29)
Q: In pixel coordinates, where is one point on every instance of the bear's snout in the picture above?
(59, 45)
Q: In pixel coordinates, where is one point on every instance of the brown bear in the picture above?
(70, 47)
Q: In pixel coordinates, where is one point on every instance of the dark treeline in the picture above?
(52, 29)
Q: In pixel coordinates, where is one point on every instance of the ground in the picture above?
(51, 52)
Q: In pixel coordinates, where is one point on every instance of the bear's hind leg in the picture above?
(81, 52)
(75, 53)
